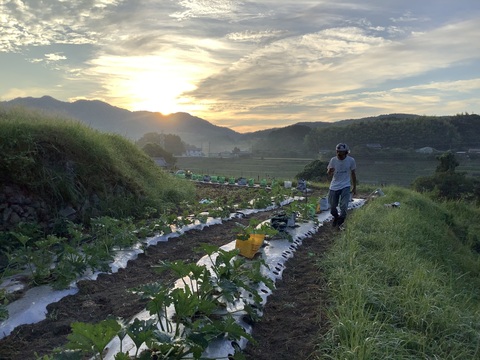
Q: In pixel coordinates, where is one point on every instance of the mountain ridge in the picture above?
(132, 124)
(191, 129)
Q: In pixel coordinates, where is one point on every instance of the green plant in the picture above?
(200, 304)
(141, 331)
(262, 201)
(254, 226)
(233, 273)
(159, 300)
(3, 303)
(91, 339)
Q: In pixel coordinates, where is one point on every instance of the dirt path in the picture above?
(293, 306)
(294, 315)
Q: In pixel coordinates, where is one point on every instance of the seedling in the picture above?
(254, 227)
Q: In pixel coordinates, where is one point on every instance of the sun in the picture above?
(149, 83)
(157, 92)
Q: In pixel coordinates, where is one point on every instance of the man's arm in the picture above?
(330, 172)
(354, 182)
(330, 169)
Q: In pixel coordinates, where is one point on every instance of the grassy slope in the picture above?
(405, 280)
(68, 163)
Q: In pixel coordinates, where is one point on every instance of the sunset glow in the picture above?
(247, 65)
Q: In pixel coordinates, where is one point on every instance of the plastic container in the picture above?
(291, 220)
(249, 248)
(251, 182)
(323, 204)
(287, 184)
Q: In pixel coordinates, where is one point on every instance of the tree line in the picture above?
(443, 133)
(459, 132)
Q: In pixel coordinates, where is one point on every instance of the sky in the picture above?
(247, 65)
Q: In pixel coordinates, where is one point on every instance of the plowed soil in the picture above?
(292, 321)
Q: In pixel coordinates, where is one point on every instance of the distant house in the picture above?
(474, 151)
(374, 146)
(426, 150)
(194, 152)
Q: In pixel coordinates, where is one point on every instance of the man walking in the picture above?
(341, 169)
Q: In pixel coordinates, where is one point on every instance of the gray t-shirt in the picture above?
(343, 169)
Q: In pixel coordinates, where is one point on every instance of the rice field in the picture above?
(369, 171)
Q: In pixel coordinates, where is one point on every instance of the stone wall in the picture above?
(16, 206)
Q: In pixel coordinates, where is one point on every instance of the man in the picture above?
(341, 169)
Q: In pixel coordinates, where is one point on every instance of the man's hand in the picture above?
(330, 171)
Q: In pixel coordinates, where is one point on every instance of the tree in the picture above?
(155, 150)
(170, 142)
(151, 138)
(314, 171)
(446, 183)
(174, 144)
(448, 163)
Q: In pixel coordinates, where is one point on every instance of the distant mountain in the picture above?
(287, 141)
(322, 124)
(107, 118)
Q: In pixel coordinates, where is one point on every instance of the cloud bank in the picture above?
(247, 65)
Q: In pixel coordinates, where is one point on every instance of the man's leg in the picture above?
(333, 198)
(344, 200)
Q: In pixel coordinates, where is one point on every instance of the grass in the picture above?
(404, 282)
(69, 163)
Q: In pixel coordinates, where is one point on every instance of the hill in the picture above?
(191, 129)
(459, 133)
(304, 139)
(46, 172)
(133, 124)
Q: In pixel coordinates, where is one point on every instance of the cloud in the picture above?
(36, 23)
(408, 17)
(55, 57)
(242, 62)
(207, 8)
(255, 36)
(336, 60)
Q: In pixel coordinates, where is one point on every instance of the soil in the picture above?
(292, 321)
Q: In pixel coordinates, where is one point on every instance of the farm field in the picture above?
(108, 296)
(369, 170)
(256, 168)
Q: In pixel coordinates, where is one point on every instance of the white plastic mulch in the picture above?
(31, 308)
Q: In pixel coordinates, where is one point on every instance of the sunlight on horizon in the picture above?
(149, 83)
(156, 92)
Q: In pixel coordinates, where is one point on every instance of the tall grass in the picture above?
(71, 164)
(404, 282)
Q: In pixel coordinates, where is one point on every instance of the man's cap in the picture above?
(342, 147)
